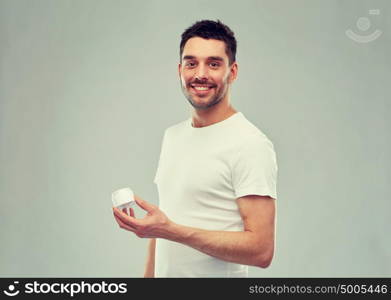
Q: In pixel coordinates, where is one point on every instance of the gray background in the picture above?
(88, 87)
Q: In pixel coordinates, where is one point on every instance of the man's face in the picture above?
(204, 72)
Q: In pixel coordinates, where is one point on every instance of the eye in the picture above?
(190, 64)
(214, 64)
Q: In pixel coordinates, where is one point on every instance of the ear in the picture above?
(179, 70)
(233, 72)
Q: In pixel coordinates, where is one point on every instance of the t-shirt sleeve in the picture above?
(254, 169)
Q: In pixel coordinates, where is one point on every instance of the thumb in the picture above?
(144, 204)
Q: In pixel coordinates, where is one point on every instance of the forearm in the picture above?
(253, 246)
(244, 247)
(150, 263)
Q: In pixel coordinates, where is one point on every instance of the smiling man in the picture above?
(216, 177)
(211, 84)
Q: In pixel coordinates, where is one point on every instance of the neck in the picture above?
(217, 113)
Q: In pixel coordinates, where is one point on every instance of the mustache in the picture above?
(202, 82)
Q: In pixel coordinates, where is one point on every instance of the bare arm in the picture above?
(150, 264)
(252, 246)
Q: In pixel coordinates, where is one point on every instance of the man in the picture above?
(216, 176)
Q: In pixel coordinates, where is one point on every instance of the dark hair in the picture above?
(208, 29)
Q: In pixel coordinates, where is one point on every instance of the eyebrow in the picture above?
(219, 58)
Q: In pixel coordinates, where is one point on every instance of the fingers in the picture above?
(129, 220)
(124, 226)
(144, 204)
(129, 211)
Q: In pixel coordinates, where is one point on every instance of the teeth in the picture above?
(201, 88)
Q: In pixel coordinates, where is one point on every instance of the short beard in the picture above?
(215, 99)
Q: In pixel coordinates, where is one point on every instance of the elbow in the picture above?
(264, 259)
(264, 263)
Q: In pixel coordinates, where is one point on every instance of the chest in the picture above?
(200, 169)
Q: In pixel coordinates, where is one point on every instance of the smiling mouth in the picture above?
(201, 88)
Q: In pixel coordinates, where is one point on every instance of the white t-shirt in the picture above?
(201, 173)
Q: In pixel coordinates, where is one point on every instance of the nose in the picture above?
(201, 72)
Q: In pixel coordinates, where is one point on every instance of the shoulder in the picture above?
(256, 148)
(247, 131)
(172, 131)
(176, 128)
(251, 137)
(254, 145)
